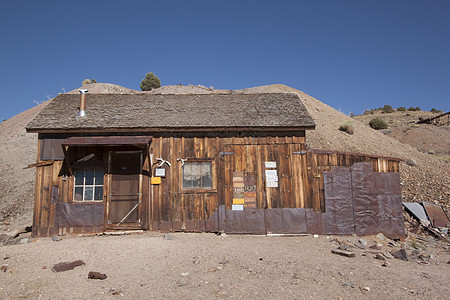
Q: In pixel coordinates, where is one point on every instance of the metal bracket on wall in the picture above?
(299, 152)
(226, 153)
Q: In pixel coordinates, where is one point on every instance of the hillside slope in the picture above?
(429, 180)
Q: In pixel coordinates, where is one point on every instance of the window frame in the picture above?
(94, 185)
(212, 188)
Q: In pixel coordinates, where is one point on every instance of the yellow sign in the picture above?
(156, 180)
(238, 201)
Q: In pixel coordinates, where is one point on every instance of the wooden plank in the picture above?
(260, 199)
(286, 195)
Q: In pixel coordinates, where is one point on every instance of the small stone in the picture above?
(380, 256)
(44, 267)
(366, 288)
(185, 274)
(349, 284)
(362, 242)
(385, 264)
(316, 236)
(424, 263)
(168, 236)
(392, 244)
(3, 268)
(56, 238)
(375, 247)
(6, 256)
(400, 254)
(224, 262)
(388, 254)
(411, 162)
(380, 236)
(344, 247)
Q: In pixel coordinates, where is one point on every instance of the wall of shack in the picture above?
(169, 207)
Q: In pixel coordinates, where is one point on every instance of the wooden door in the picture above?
(124, 199)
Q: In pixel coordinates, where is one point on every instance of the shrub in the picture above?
(378, 123)
(86, 81)
(93, 80)
(387, 109)
(151, 81)
(435, 111)
(401, 108)
(347, 126)
(414, 108)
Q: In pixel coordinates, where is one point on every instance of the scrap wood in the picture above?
(97, 275)
(66, 266)
(343, 252)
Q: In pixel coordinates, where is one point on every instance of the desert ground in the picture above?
(206, 265)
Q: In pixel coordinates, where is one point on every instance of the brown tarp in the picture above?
(79, 214)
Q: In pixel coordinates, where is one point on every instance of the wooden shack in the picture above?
(213, 162)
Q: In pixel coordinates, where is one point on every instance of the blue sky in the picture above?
(352, 55)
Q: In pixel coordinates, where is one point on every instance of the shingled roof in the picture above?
(173, 112)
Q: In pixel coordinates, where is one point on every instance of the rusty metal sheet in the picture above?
(79, 215)
(245, 221)
(212, 223)
(285, 220)
(364, 199)
(176, 226)
(313, 221)
(437, 216)
(338, 201)
(190, 225)
(164, 226)
(377, 202)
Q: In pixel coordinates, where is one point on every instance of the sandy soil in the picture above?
(205, 266)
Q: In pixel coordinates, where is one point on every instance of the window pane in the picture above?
(79, 176)
(206, 181)
(187, 181)
(98, 177)
(78, 194)
(98, 193)
(197, 168)
(206, 168)
(89, 178)
(187, 169)
(88, 193)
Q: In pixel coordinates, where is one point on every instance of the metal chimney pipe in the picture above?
(82, 112)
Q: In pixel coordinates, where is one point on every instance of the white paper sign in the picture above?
(160, 172)
(272, 184)
(271, 178)
(270, 164)
(237, 207)
(271, 175)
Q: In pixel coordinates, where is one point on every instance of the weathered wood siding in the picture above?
(169, 207)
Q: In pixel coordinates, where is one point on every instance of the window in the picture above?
(197, 175)
(88, 186)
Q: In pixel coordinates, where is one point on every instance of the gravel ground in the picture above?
(188, 266)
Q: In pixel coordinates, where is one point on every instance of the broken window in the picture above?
(197, 175)
(88, 185)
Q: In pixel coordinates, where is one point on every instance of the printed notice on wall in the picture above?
(271, 178)
(237, 207)
(270, 164)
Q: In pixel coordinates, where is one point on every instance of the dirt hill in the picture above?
(402, 126)
(427, 180)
